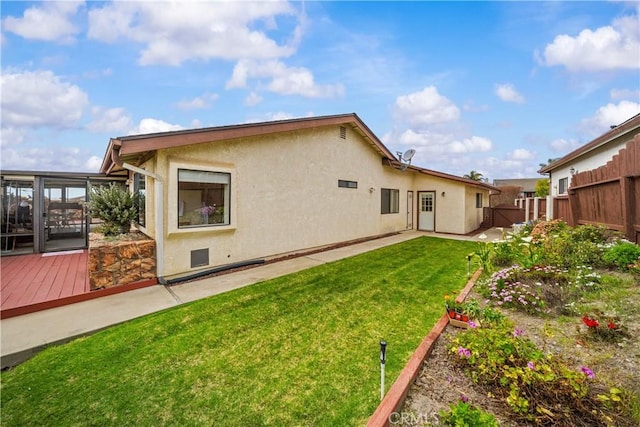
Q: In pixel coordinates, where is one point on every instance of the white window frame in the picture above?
(173, 204)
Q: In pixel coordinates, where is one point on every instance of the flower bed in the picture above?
(569, 355)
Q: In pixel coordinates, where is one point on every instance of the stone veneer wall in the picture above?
(121, 262)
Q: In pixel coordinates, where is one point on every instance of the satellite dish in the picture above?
(408, 155)
(405, 158)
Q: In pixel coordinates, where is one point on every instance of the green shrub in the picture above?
(622, 255)
(114, 205)
(463, 414)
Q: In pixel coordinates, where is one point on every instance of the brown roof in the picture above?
(136, 149)
(615, 132)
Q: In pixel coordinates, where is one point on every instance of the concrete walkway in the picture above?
(23, 336)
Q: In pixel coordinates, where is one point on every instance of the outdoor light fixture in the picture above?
(469, 265)
(572, 171)
(383, 359)
(442, 194)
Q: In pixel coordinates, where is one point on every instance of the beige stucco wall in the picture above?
(285, 196)
(473, 214)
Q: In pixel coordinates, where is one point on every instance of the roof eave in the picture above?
(623, 128)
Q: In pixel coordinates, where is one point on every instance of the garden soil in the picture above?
(441, 383)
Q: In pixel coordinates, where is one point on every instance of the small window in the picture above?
(390, 201)
(563, 186)
(140, 189)
(478, 200)
(347, 184)
(203, 198)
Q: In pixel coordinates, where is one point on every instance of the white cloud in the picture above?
(508, 93)
(622, 94)
(109, 120)
(153, 126)
(521, 154)
(11, 136)
(93, 164)
(50, 22)
(564, 146)
(616, 46)
(610, 115)
(425, 107)
(203, 101)
(252, 99)
(283, 80)
(471, 145)
(54, 157)
(40, 98)
(180, 31)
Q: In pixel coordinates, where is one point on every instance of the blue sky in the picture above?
(495, 87)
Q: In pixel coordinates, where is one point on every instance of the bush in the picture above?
(463, 414)
(115, 206)
(622, 255)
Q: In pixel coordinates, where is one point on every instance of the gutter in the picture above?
(159, 208)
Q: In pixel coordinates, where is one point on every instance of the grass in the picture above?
(302, 349)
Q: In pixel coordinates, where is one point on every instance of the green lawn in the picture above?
(297, 350)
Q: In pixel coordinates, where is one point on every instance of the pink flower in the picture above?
(464, 352)
(531, 366)
(517, 332)
(588, 372)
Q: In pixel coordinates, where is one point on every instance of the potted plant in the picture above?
(460, 313)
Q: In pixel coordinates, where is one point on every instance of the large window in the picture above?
(390, 202)
(563, 186)
(203, 198)
(140, 189)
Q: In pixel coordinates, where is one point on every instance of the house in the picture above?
(527, 185)
(600, 181)
(590, 156)
(226, 195)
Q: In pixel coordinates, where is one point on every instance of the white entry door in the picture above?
(409, 210)
(426, 217)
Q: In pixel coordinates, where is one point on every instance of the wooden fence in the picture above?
(610, 194)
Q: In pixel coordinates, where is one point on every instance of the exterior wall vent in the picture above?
(199, 258)
(343, 132)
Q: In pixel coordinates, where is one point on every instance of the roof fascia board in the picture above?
(144, 143)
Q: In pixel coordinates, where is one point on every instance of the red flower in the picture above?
(591, 323)
(611, 325)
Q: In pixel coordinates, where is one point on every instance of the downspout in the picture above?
(159, 208)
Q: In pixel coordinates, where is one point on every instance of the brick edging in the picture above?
(394, 398)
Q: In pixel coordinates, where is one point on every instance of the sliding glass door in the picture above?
(64, 216)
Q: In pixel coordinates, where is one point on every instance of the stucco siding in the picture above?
(284, 195)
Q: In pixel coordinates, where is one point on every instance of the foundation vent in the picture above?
(199, 258)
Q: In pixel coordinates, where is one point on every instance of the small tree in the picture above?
(542, 188)
(114, 205)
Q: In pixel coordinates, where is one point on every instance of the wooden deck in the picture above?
(37, 282)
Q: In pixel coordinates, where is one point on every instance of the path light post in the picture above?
(469, 265)
(383, 358)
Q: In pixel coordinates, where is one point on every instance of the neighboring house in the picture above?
(226, 195)
(528, 185)
(589, 156)
(599, 183)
